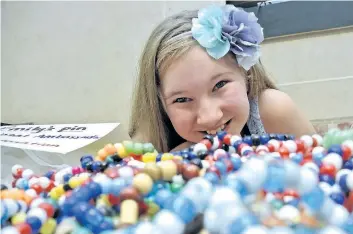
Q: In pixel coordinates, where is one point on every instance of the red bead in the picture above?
(300, 146)
(305, 160)
(49, 209)
(308, 155)
(50, 186)
(328, 169)
(228, 164)
(18, 173)
(207, 143)
(143, 207)
(75, 170)
(315, 143)
(37, 188)
(226, 139)
(284, 152)
(271, 148)
(346, 152)
(24, 228)
(114, 200)
(242, 145)
(291, 192)
(349, 202)
(137, 157)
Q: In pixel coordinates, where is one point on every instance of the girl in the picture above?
(200, 73)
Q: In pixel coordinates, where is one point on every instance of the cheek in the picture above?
(235, 100)
(181, 119)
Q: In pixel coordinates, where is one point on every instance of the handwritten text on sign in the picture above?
(59, 138)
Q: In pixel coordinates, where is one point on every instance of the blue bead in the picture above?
(66, 208)
(317, 158)
(82, 194)
(183, 207)
(92, 218)
(293, 202)
(236, 163)
(280, 137)
(191, 155)
(95, 189)
(264, 139)
(314, 199)
(86, 157)
(236, 185)
(337, 197)
(327, 178)
(343, 183)
(104, 226)
(49, 174)
(275, 180)
(297, 158)
(159, 157)
(162, 196)
(221, 135)
(221, 167)
(242, 222)
(236, 144)
(79, 209)
(291, 137)
(348, 165)
(97, 166)
(247, 140)
(35, 223)
(335, 149)
(67, 177)
(212, 177)
(117, 185)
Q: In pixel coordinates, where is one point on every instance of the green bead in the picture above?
(176, 187)
(129, 146)
(277, 204)
(138, 148)
(153, 208)
(109, 159)
(148, 148)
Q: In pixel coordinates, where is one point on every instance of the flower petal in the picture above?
(248, 61)
(220, 50)
(203, 35)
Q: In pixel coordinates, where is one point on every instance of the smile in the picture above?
(214, 131)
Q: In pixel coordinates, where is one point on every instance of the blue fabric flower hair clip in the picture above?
(220, 29)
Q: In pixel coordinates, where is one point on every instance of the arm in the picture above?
(280, 114)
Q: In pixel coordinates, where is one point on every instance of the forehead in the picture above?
(196, 67)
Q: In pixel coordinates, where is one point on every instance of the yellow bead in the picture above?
(120, 149)
(153, 208)
(60, 189)
(149, 157)
(48, 227)
(82, 178)
(54, 194)
(177, 157)
(143, 183)
(18, 218)
(103, 200)
(169, 169)
(128, 212)
(167, 156)
(74, 182)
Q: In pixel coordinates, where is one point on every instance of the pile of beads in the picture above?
(269, 184)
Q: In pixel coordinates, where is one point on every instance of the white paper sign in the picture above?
(58, 138)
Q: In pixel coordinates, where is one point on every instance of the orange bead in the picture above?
(110, 149)
(300, 146)
(37, 188)
(328, 169)
(102, 154)
(24, 228)
(284, 152)
(226, 139)
(207, 143)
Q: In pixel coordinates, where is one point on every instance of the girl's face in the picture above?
(202, 95)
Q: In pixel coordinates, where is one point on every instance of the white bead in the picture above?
(275, 144)
(59, 177)
(318, 150)
(205, 164)
(146, 227)
(44, 182)
(253, 173)
(340, 173)
(234, 139)
(262, 148)
(200, 148)
(291, 146)
(331, 230)
(15, 168)
(256, 230)
(292, 173)
(169, 222)
(336, 188)
(349, 144)
(9, 230)
(325, 187)
(269, 197)
(39, 213)
(349, 181)
(33, 181)
(339, 215)
(327, 207)
(36, 202)
(318, 139)
(61, 200)
(334, 159)
(100, 178)
(178, 179)
(126, 172)
(288, 213)
(312, 166)
(11, 205)
(307, 181)
(215, 144)
(231, 150)
(31, 192)
(246, 148)
(27, 174)
(308, 141)
(227, 195)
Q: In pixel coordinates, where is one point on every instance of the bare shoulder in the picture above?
(280, 114)
(182, 146)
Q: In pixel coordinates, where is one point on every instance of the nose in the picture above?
(209, 115)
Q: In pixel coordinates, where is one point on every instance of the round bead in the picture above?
(168, 170)
(39, 213)
(349, 181)
(190, 171)
(290, 145)
(215, 144)
(308, 141)
(48, 227)
(126, 172)
(15, 168)
(10, 230)
(27, 174)
(318, 139)
(274, 143)
(143, 183)
(334, 159)
(235, 139)
(168, 222)
(200, 148)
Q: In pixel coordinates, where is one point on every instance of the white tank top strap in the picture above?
(254, 122)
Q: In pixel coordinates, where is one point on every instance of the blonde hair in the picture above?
(169, 41)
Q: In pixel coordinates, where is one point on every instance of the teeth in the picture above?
(213, 132)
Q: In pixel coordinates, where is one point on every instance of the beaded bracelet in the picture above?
(223, 184)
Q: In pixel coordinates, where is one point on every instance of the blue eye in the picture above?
(181, 100)
(220, 85)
